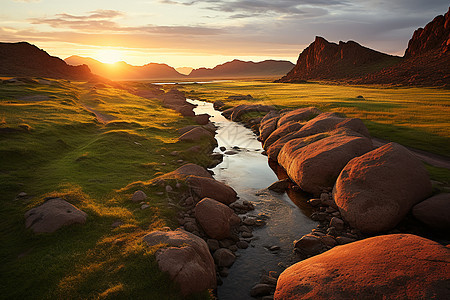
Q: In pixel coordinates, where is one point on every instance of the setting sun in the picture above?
(109, 56)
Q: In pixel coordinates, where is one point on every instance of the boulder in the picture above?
(186, 258)
(52, 215)
(309, 245)
(267, 127)
(196, 134)
(210, 188)
(138, 196)
(376, 190)
(202, 119)
(398, 266)
(434, 211)
(315, 167)
(301, 114)
(280, 186)
(193, 169)
(218, 105)
(240, 110)
(280, 132)
(215, 218)
(224, 257)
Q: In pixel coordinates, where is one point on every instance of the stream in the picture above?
(249, 173)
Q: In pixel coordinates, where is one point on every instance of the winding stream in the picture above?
(249, 173)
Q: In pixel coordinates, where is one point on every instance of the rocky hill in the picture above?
(323, 60)
(240, 69)
(123, 71)
(427, 58)
(24, 59)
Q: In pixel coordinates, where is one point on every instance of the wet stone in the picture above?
(213, 244)
(244, 228)
(233, 248)
(341, 240)
(268, 280)
(247, 234)
(315, 202)
(261, 289)
(249, 221)
(274, 248)
(242, 245)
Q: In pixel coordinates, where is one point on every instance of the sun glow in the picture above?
(109, 56)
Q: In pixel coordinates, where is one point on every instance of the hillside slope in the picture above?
(24, 59)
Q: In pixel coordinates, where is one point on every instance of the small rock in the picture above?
(315, 202)
(144, 206)
(328, 240)
(337, 223)
(247, 234)
(222, 148)
(169, 188)
(174, 153)
(213, 244)
(249, 221)
(261, 289)
(231, 152)
(233, 248)
(224, 257)
(242, 245)
(138, 196)
(226, 243)
(332, 231)
(224, 272)
(280, 186)
(268, 280)
(244, 228)
(191, 227)
(189, 201)
(274, 248)
(180, 161)
(116, 224)
(260, 223)
(341, 240)
(22, 194)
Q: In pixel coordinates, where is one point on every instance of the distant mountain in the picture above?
(323, 60)
(426, 61)
(123, 71)
(184, 70)
(241, 69)
(24, 59)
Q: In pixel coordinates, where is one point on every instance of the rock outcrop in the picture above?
(331, 61)
(400, 266)
(52, 215)
(375, 191)
(187, 259)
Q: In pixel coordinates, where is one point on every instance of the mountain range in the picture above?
(426, 61)
(228, 70)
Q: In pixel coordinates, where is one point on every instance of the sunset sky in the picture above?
(198, 33)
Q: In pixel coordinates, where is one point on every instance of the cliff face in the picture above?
(24, 59)
(427, 58)
(238, 68)
(434, 37)
(331, 61)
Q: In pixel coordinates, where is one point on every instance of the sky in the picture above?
(204, 33)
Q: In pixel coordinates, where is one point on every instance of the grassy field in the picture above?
(52, 144)
(415, 117)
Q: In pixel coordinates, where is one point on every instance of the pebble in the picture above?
(247, 234)
(189, 201)
(244, 228)
(274, 248)
(224, 272)
(169, 188)
(268, 280)
(22, 194)
(249, 221)
(233, 248)
(261, 289)
(213, 244)
(222, 148)
(242, 245)
(145, 206)
(315, 202)
(337, 223)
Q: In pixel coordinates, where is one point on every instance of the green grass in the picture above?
(414, 117)
(57, 147)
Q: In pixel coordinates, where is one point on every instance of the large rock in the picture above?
(193, 169)
(301, 114)
(280, 132)
(316, 166)
(375, 191)
(210, 188)
(215, 218)
(224, 257)
(399, 266)
(187, 259)
(267, 127)
(435, 211)
(202, 119)
(241, 110)
(196, 134)
(52, 215)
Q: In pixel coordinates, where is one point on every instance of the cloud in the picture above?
(104, 21)
(27, 1)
